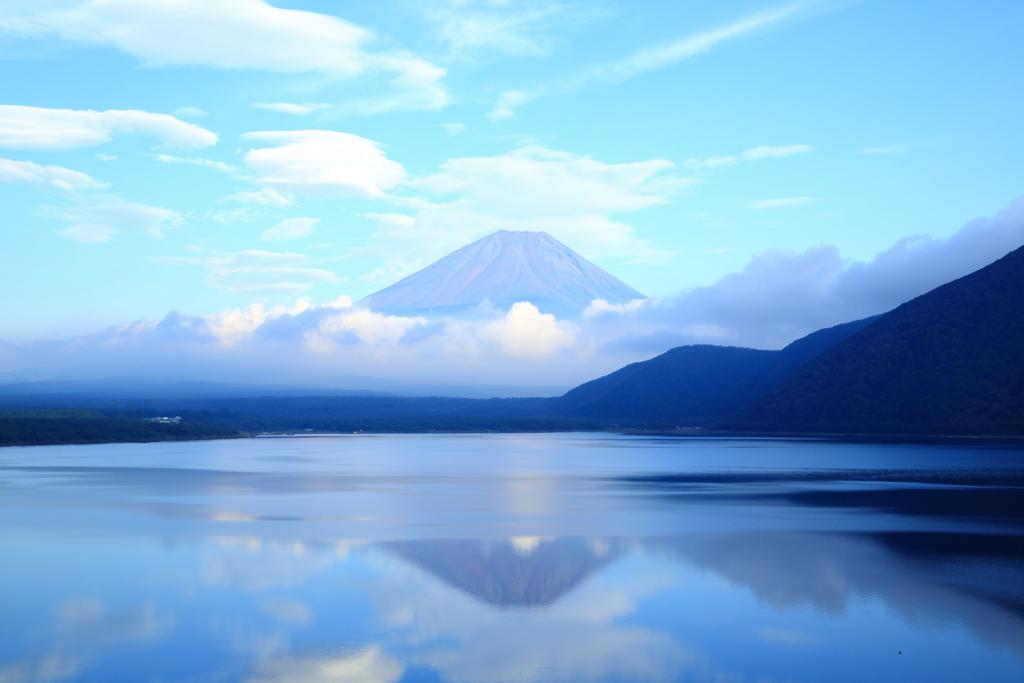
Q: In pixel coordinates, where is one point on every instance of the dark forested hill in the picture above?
(697, 385)
(40, 427)
(948, 362)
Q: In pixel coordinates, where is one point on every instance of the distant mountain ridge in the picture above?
(504, 268)
(696, 385)
(948, 362)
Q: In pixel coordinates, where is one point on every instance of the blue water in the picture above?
(494, 558)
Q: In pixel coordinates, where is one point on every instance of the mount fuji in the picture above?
(502, 269)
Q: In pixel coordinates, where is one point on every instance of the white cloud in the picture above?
(194, 161)
(779, 202)
(600, 306)
(103, 217)
(238, 34)
(537, 180)
(190, 112)
(290, 229)
(292, 108)
(657, 57)
(260, 271)
(416, 86)
(774, 152)
(24, 127)
(525, 331)
(236, 215)
(370, 327)
(508, 103)
(58, 177)
(781, 295)
(759, 153)
(263, 197)
(233, 325)
(89, 233)
(318, 344)
(571, 196)
(469, 27)
(323, 161)
(687, 47)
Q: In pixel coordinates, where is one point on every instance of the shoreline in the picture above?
(880, 439)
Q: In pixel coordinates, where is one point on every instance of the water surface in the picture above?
(494, 558)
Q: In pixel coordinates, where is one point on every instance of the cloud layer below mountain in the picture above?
(779, 296)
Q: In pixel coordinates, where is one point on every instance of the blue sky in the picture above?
(670, 142)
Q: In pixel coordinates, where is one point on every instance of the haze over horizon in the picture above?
(212, 208)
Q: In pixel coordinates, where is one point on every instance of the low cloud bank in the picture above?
(779, 296)
(782, 295)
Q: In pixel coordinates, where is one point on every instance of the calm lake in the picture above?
(494, 558)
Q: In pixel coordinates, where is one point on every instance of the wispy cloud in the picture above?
(290, 229)
(260, 271)
(759, 153)
(241, 34)
(657, 57)
(575, 197)
(101, 218)
(23, 127)
(263, 197)
(239, 214)
(468, 28)
(190, 112)
(509, 102)
(12, 171)
(886, 151)
(692, 45)
(194, 161)
(292, 108)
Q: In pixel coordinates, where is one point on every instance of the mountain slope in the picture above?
(504, 268)
(697, 385)
(948, 362)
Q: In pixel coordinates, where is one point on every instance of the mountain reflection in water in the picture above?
(524, 571)
(519, 558)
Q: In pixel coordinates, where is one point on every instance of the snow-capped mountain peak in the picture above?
(504, 268)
